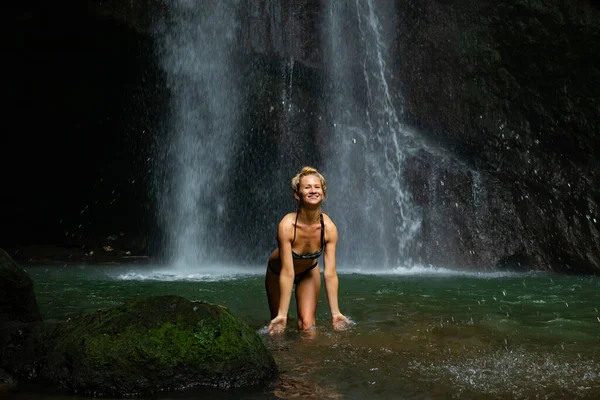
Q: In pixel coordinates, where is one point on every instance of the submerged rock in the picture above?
(155, 344)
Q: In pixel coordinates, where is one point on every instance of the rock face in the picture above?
(510, 90)
(156, 344)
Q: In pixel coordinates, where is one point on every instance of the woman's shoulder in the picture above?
(328, 221)
(331, 232)
(286, 226)
(288, 219)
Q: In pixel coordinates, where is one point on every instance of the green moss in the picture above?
(169, 341)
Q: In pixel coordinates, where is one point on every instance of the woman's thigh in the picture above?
(272, 288)
(307, 298)
(272, 283)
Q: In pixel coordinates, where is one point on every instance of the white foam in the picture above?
(264, 330)
(425, 270)
(222, 272)
(205, 273)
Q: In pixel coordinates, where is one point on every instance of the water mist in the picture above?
(198, 47)
(366, 150)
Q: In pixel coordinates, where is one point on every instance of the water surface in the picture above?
(419, 333)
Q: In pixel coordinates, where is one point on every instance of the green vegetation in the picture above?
(154, 344)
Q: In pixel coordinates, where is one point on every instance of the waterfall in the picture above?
(366, 151)
(197, 43)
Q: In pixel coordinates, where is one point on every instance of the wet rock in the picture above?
(24, 348)
(17, 298)
(7, 382)
(160, 343)
(508, 90)
(144, 346)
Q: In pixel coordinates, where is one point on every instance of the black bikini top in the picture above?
(316, 254)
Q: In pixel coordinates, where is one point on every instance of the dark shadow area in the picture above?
(84, 105)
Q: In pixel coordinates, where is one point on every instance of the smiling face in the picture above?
(310, 191)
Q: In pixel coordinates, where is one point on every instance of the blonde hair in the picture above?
(308, 171)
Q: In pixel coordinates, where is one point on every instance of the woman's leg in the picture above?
(272, 285)
(307, 297)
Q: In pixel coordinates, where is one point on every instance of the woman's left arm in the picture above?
(331, 277)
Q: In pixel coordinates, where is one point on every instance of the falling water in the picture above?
(198, 44)
(367, 148)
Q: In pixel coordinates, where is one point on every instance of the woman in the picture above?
(302, 237)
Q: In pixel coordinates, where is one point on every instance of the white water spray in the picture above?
(375, 215)
(198, 45)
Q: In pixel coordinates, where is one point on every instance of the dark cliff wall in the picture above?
(512, 90)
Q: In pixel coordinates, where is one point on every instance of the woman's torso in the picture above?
(308, 240)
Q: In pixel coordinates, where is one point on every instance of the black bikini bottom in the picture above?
(299, 276)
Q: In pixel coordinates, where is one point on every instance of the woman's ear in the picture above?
(296, 195)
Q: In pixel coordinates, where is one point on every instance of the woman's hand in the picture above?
(340, 322)
(277, 325)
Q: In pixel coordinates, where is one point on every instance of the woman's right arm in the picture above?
(286, 276)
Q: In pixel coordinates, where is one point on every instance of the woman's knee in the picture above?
(305, 324)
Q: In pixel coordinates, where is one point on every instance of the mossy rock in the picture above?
(154, 344)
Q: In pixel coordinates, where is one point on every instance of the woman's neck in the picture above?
(309, 216)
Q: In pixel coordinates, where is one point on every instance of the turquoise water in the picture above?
(420, 333)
